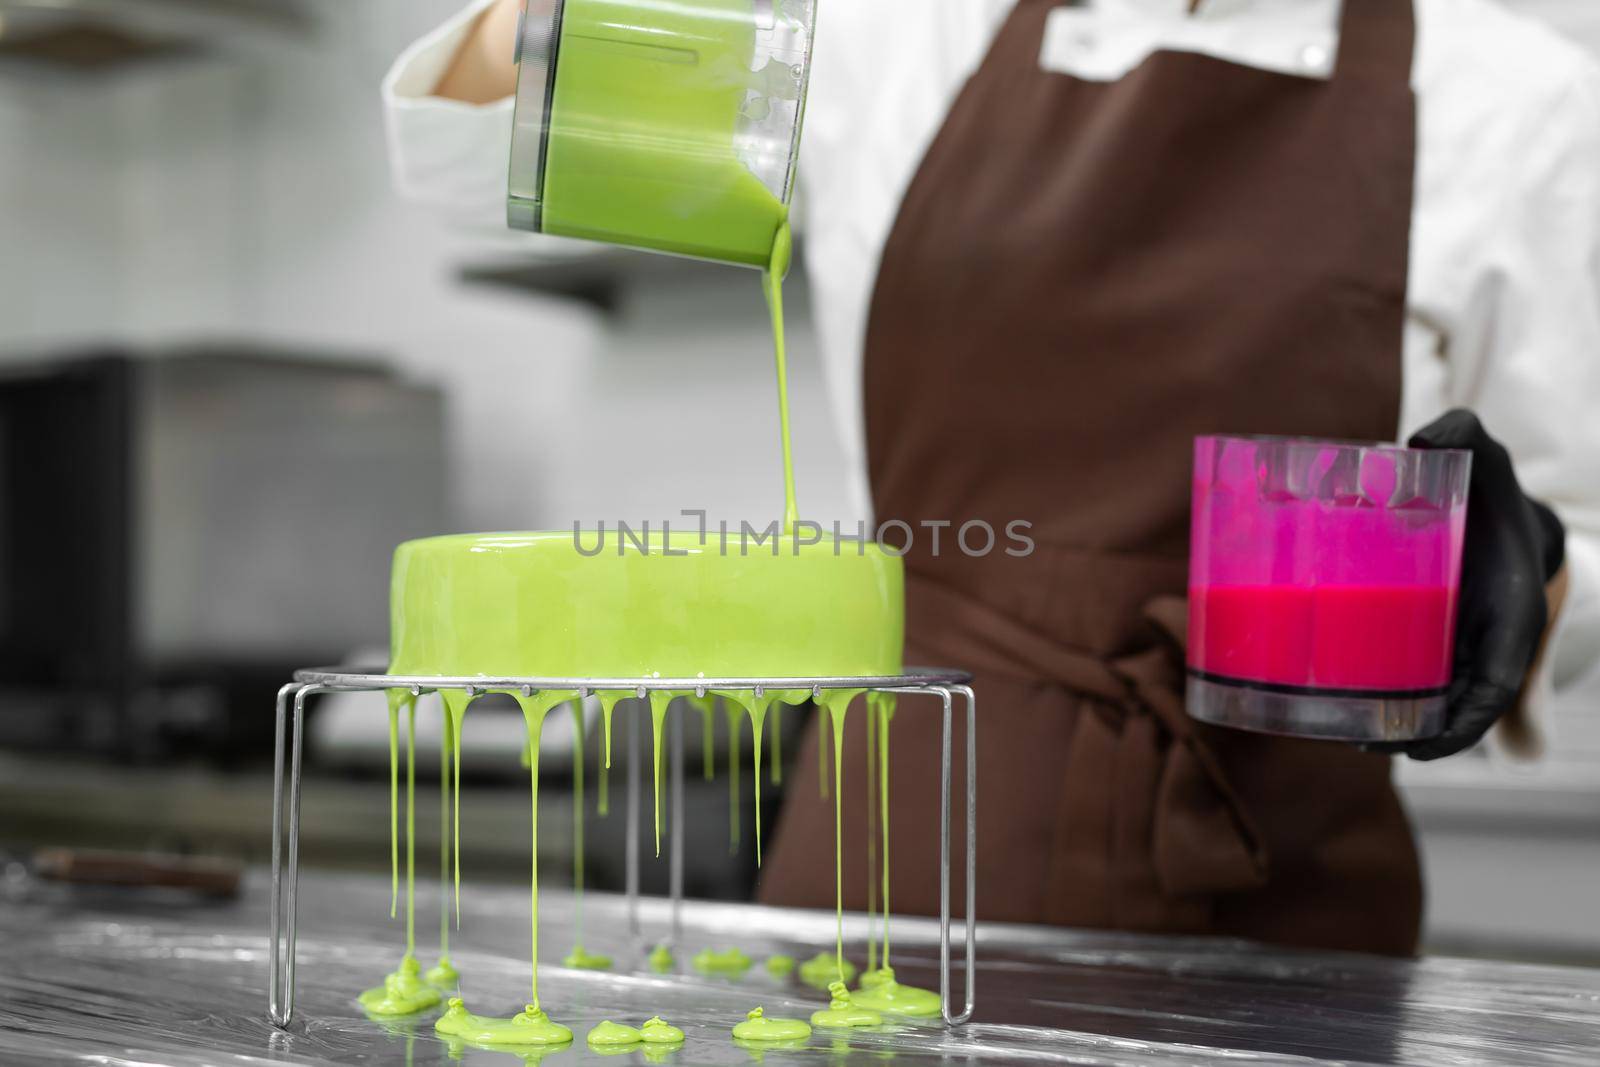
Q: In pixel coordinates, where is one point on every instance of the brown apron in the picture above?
(1083, 277)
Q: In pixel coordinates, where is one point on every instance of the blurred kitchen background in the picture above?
(235, 370)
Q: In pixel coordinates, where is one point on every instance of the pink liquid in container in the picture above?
(1323, 580)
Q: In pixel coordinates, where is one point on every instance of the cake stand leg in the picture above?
(285, 885)
(946, 994)
(632, 868)
(972, 855)
(944, 858)
(275, 1010)
(291, 916)
(676, 860)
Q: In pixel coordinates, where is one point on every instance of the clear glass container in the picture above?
(670, 125)
(1323, 582)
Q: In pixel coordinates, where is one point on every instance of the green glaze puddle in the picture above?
(531, 1027)
(613, 1034)
(728, 963)
(656, 1031)
(583, 960)
(661, 960)
(403, 992)
(825, 968)
(780, 966)
(841, 1013)
(880, 992)
(757, 1027)
(443, 975)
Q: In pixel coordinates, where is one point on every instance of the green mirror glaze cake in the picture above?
(550, 605)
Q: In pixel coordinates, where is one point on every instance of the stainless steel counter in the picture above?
(114, 977)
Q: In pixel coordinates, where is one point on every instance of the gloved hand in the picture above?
(1514, 546)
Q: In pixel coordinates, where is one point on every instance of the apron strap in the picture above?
(1377, 41)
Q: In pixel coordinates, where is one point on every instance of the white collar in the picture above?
(1209, 9)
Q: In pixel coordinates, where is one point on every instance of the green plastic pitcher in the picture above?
(669, 125)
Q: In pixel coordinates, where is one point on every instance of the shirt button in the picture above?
(1314, 57)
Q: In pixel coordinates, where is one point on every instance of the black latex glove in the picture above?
(1514, 546)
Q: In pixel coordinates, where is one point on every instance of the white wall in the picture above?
(251, 199)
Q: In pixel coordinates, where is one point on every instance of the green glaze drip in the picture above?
(411, 828)
(444, 974)
(758, 715)
(825, 968)
(872, 830)
(708, 707)
(582, 959)
(455, 711)
(534, 710)
(822, 753)
(613, 1035)
(685, 77)
(874, 978)
(661, 960)
(397, 698)
(776, 761)
(780, 966)
(657, 1031)
(729, 963)
(880, 992)
(708, 737)
(882, 708)
(403, 992)
(772, 285)
(659, 702)
(735, 743)
(757, 708)
(608, 704)
(578, 953)
(530, 1027)
(841, 1013)
(757, 1027)
(837, 702)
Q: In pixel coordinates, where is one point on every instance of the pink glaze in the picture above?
(1326, 566)
(1330, 636)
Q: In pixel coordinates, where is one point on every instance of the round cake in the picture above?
(565, 605)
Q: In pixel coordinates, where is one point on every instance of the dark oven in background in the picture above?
(179, 530)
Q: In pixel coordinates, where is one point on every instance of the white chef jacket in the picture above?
(1504, 292)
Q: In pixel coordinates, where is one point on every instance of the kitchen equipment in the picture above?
(157, 512)
(291, 709)
(665, 126)
(1323, 581)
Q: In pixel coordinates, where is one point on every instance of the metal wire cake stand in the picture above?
(290, 733)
